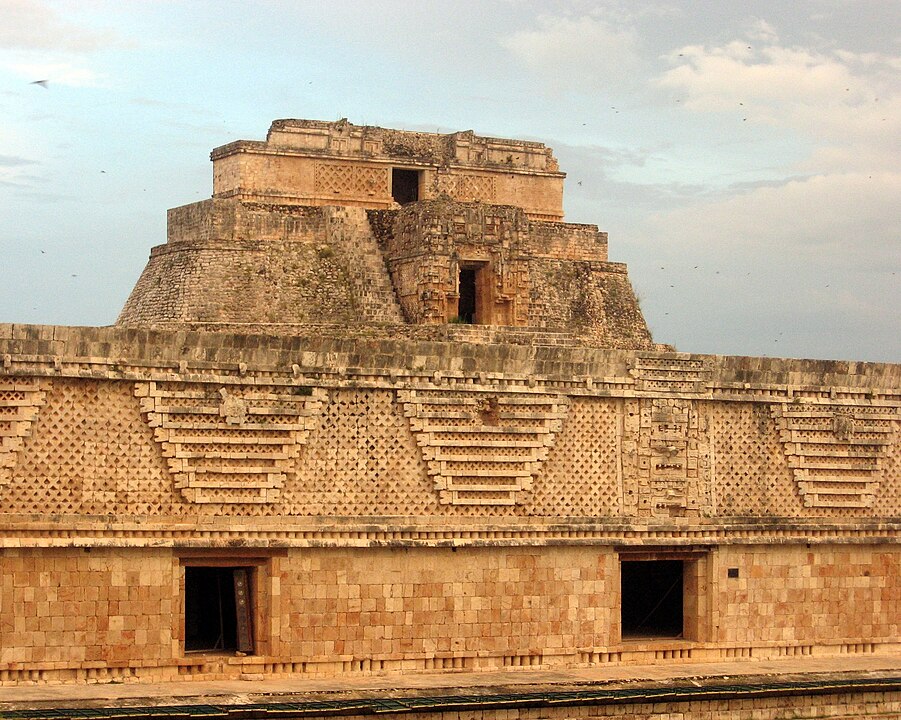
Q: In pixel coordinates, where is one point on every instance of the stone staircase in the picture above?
(351, 238)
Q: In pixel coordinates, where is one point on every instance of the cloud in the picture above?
(847, 104)
(854, 215)
(34, 25)
(812, 251)
(575, 51)
(13, 161)
(819, 252)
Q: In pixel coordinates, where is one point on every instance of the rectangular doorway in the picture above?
(404, 185)
(218, 611)
(651, 598)
(468, 289)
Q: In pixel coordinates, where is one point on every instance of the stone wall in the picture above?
(234, 262)
(410, 428)
(119, 612)
(549, 276)
(315, 163)
(406, 505)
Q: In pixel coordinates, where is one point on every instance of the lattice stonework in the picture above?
(836, 451)
(579, 477)
(231, 444)
(483, 448)
(670, 374)
(19, 403)
(351, 180)
(476, 188)
(666, 457)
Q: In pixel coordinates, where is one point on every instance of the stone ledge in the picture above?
(460, 692)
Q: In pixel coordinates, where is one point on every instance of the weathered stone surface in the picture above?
(271, 248)
(285, 407)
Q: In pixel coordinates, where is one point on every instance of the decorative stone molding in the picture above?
(670, 374)
(230, 444)
(836, 451)
(476, 188)
(281, 532)
(483, 448)
(20, 399)
(666, 458)
(351, 181)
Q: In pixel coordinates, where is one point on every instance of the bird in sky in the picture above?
(42, 83)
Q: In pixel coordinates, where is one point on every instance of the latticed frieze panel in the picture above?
(20, 400)
(361, 459)
(670, 374)
(890, 485)
(666, 457)
(231, 444)
(483, 448)
(352, 181)
(836, 452)
(751, 477)
(581, 476)
(90, 451)
(475, 188)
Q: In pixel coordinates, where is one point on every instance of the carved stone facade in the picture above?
(313, 163)
(386, 491)
(337, 224)
(230, 446)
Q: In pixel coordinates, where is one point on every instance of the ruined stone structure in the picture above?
(373, 408)
(334, 223)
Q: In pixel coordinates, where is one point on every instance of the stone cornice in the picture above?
(241, 533)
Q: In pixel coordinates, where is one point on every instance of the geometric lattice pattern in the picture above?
(360, 460)
(351, 180)
(228, 445)
(751, 477)
(579, 477)
(667, 457)
(90, 452)
(475, 188)
(483, 448)
(835, 451)
(19, 403)
(669, 374)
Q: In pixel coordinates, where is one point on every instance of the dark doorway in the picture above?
(466, 310)
(404, 185)
(217, 609)
(651, 598)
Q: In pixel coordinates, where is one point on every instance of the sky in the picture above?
(744, 157)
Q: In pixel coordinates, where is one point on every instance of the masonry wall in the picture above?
(548, 276)
(348, 469)
(77, 613)
(483, 606)
(801, 597)
(71, 610)
(877, 705)
(233, 262)
(315, 163)
(591, 299)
